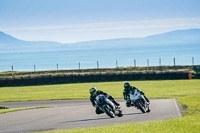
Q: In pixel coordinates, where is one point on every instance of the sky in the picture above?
(70, 21)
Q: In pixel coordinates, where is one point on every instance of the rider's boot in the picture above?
(149, 109)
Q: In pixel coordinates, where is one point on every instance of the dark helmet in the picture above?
(93, 90)
(127, 85)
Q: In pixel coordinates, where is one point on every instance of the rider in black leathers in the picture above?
(94, 93)
(127, 89)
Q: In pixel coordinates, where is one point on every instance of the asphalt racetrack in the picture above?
(69, 114)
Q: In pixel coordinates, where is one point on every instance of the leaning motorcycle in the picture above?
(139, 101)
(108, 107)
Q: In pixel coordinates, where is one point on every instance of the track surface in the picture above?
(70, 114)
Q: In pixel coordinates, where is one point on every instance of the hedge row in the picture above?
(92, 78)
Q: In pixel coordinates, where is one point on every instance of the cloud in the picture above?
(124, 25)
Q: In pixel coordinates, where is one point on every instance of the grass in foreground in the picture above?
(2, 111)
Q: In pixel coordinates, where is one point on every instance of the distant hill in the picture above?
(7, 39)
(179, 38)
(11, 44)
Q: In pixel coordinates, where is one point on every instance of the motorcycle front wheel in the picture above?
(120, 114)
(139, 105)
(108, 112)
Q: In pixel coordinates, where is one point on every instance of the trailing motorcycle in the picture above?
(108, 107)
(138, 100)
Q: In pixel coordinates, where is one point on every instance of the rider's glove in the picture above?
(107, 96)
(141, 92)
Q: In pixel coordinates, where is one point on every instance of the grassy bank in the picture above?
(98, 75)
(118, 70)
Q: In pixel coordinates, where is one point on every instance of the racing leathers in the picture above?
(93, 98)
(126, 94)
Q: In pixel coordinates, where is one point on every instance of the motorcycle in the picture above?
(139, 101)
(108, 107)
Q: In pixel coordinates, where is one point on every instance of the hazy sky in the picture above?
(69, 21)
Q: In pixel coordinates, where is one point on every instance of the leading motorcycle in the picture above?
(138, 100)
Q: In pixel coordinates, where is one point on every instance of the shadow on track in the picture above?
(133, 114)
(87, 120)
(95, 119)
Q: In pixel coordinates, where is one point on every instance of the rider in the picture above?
(127, 89)
(94, 93)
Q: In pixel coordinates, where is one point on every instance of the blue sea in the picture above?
(107, 58)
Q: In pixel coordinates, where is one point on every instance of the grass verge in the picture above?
(2, 111)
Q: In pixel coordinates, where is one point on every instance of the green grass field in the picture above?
(187, 92)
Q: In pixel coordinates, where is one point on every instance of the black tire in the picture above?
(120, 114)
(139, 105)
(108, 112)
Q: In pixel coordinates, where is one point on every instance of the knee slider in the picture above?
(128, 105)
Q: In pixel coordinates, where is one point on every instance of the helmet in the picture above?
(127, 85)
(93, 90)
